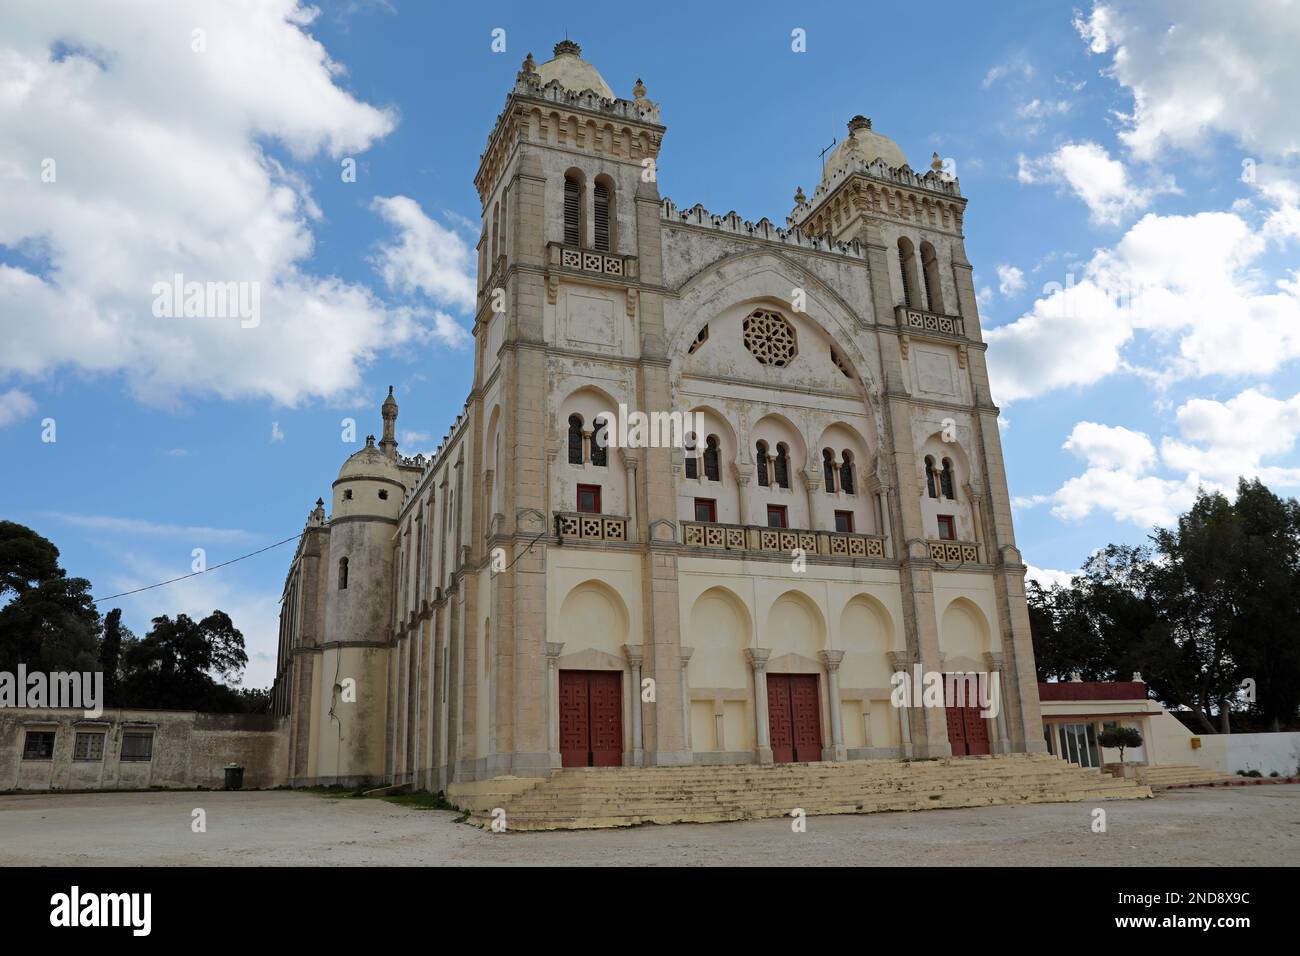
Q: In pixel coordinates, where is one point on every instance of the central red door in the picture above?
(794, 717)
(591, 718)
(968, 732)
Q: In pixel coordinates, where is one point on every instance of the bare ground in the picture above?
(1240, 826)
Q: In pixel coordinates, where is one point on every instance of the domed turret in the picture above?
(863, 145)
(573, 72)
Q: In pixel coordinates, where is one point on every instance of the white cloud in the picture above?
(1225, 440)
(1018, 65)
(166, 164)
(1185, 280)
(1040, 109)
(1217, 442)
(1010, 280)
(1111, 447)
(1102, 183)
(1196, 67)
(276, 434)
(154, 529)
(1047, 577)
(427, 257)
(15, 405)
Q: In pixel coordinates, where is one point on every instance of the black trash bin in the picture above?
(234, 776)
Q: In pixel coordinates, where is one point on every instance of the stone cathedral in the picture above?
(537, 596)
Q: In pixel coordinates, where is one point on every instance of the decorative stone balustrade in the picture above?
(573, 259)
(929, 322)
(589, 527)
(733, 537)
(954, 552)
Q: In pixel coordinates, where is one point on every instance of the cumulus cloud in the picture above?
(15, 405)
(1101, 182)
(1185, 280)
(1010, 280)
(1217, 442)
(132, 157)
(1195, 67)
(1048, 577)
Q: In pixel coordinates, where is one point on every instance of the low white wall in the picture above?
(1265, 753)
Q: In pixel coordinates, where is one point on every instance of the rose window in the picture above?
(769, 338)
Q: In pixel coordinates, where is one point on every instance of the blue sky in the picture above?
(1134, 212)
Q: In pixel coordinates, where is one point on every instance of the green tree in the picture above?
(177, 665)
(50, 621)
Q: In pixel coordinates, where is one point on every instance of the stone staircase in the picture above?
(1178, 775)
(579, 799)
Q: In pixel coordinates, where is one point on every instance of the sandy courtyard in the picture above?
(1237, 826)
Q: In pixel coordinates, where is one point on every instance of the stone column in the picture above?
(684, 654)
(743, 474)
(758, 661)
(993, 664)
(901, 662)
(635, 654)
(812, 484)
(553, 701)
(837, 750)
(630, 463)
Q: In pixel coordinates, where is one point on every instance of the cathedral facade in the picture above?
(562, 584)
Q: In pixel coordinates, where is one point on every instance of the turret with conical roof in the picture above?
(388, 444)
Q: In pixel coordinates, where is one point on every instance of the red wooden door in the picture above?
(780, 720)
(794, 717)
(806, 705)
(591, 718)
(968, 732)
(575, 718)
(606, 718)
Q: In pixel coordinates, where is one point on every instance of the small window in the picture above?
(599, 444)
(846, 474)
(692, 467)
(711, 467)
(828, 470)
(760, 455)
(776, 517)
(572, 211)
(601, 212)
(929, 478)
(575, 439)
(137, 747)
(38, 745)
(945, 480)
(589, 499)
(699, 340)
(706, 509)
(383, 495)
(947, 528)
(343, 574)
(844, 521)
(89, 747)
(782, 466)
(347, 494)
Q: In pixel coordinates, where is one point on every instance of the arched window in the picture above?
(692, 460)
(599, 444)
(929, 477)
(846, 474)
(603, 215)
(828, 469)
(933, 290)
(572, 210)
(945, 480)
(496, 235)
(343, 574)
(760, 457)
(782, 466)
(907, 269)
(711, 468)
(575, 439)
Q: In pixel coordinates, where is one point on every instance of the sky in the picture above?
(1132, 171)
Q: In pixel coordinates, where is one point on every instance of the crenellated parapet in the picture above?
(933, 199)
(763, 230)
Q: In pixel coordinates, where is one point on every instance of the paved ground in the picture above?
(1238, 826)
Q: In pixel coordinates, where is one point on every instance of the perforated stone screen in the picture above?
(769, 338)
